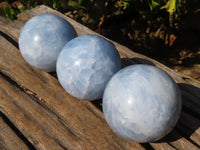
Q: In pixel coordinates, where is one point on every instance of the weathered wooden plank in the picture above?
(9, 139)
(184, 144)
(162, 146)
(82, 118)
(11, 28)
(45, 130)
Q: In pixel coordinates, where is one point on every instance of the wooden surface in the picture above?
(36, 113)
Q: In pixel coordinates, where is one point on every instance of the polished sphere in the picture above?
(42, 38)
(141, 103)
(86, 64)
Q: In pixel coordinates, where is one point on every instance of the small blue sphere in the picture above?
(85, 65)
(42, 38)
(141, 103)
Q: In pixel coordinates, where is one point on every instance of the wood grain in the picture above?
(9, 139)
(49, 118)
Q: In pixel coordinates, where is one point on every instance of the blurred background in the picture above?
(166, 30)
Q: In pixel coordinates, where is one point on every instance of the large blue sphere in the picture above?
(42, 38)
(86, 64)
(141, 103)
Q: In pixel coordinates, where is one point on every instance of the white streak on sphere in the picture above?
(141, 103)
(42, 38)
(86, 64)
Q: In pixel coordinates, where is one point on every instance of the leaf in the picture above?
(22, 8)
(153, 4)
(171, 6)
(163, 7)
(7, 12)
(56, 4)
(2, 13)
(12, 12)
(116, 13)
(126, 3)
(74, 4)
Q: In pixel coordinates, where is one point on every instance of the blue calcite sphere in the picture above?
(42, 38)
(86, 64)
(141, 103)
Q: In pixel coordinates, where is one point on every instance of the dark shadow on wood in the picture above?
(17, 132)
(189, 119)
(53, 74)
(7, 37)
(133, 61)
(147, 146)
(98, 104)
(170, 137)
(190, 99)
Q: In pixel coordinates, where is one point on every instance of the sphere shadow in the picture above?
(133, 61)
(98, 104)
(189, 120)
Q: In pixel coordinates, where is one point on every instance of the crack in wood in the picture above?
(147, 146)
(17, 132)
(173, 146)
(185, 78)
(60, 120)
(27, 91)
(7, 37)
(61, 145)
(39, 101)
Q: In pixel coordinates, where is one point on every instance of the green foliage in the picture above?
(96, 12)
(22, 8)
(153, 4)
(7, 12)
(173, 7)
